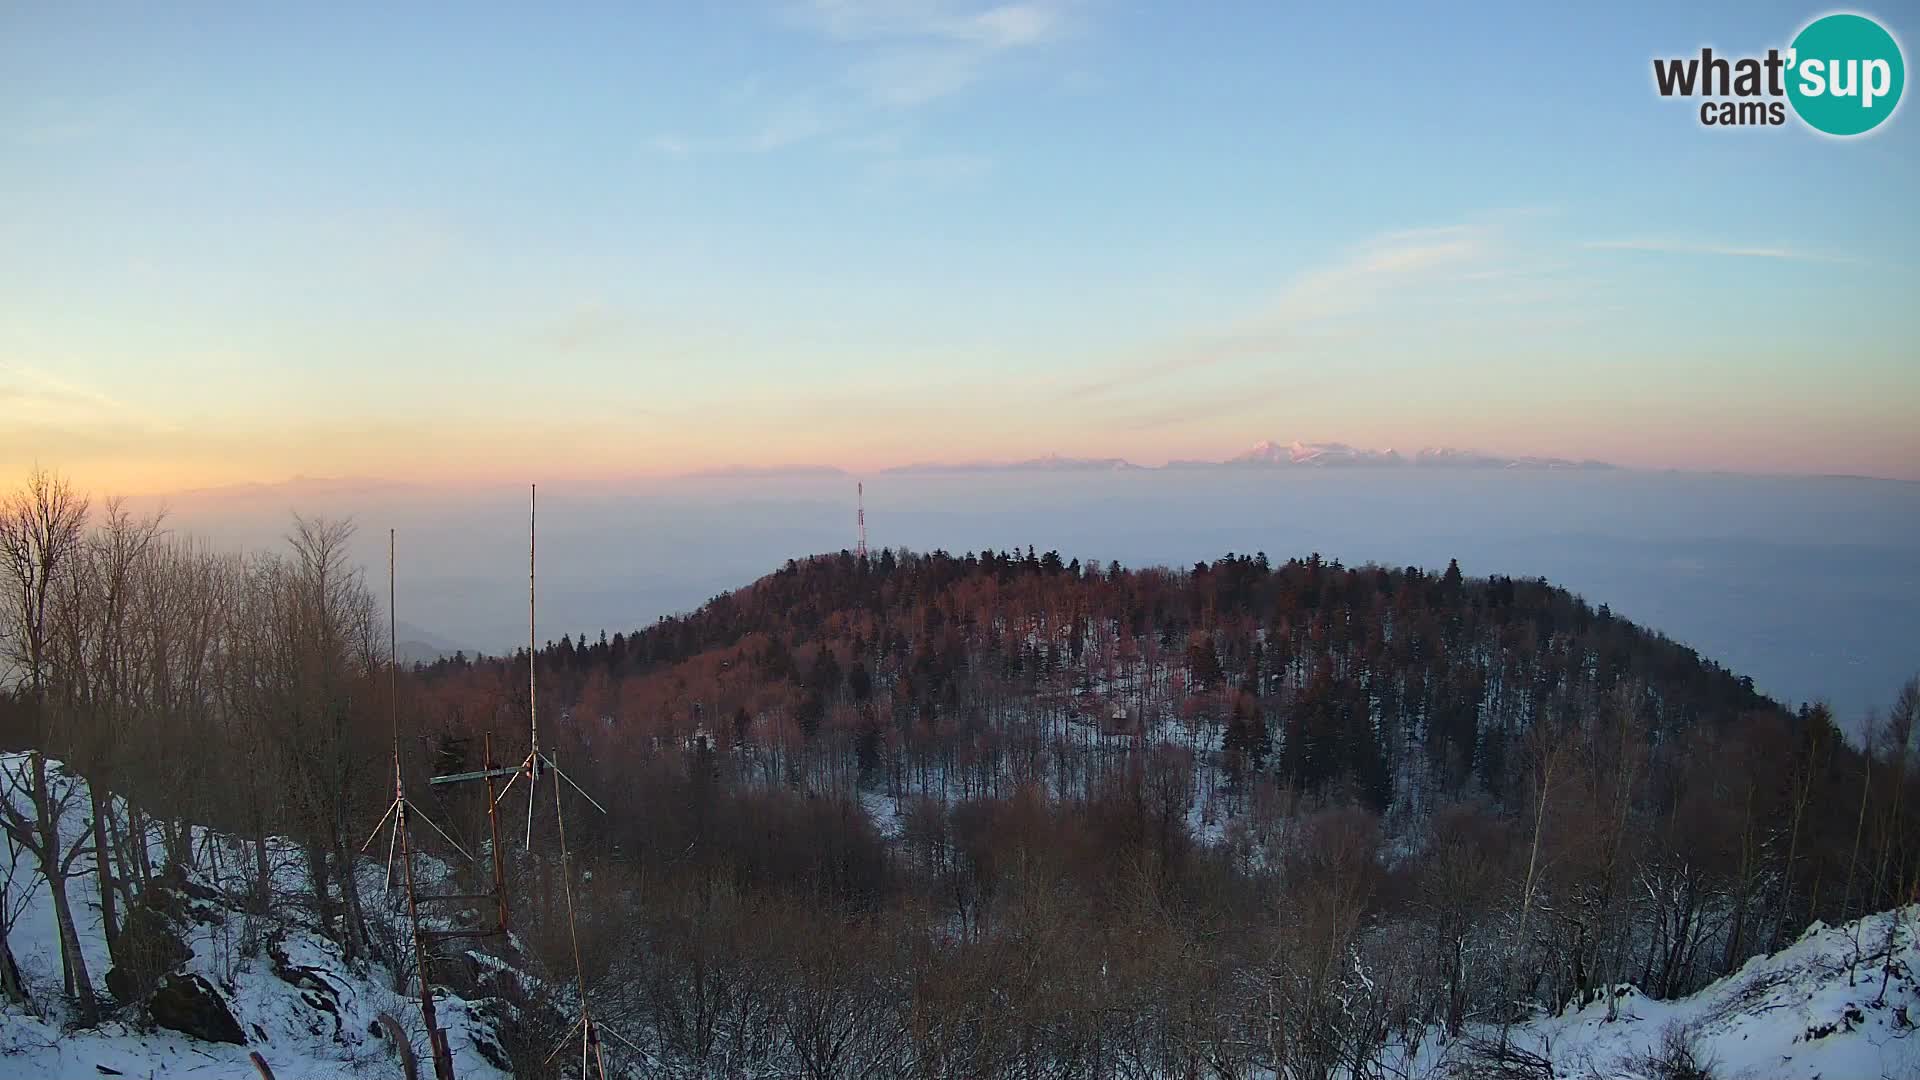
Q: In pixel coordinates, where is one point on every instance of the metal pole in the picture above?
(393, 661)
(573, 933)
(566, 879)
(493, 825)
(442, 1060)
(533, 701)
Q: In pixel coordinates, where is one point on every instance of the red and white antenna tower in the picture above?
(860, 516)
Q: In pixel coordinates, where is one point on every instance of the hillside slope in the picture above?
(289, 991)
(1839, 1003)
(1507, 746)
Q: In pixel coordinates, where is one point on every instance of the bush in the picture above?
(1490, 1058)
(1678, 1057)
(149, 947)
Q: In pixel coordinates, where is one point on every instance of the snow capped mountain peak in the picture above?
(1297, 452)
(1474, 459)
(1268, 453)
(1056, 460)
(1338, 454)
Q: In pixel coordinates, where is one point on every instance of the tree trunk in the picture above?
(11, 988)
(319, 883)
(261, 897)
(136, 855)
(103, 870)
(357, 938)
(78, 981)
(262, 868)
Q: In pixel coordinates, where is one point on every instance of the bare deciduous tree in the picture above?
(41, 529)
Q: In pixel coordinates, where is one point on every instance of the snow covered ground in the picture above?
(1839, 1004)
(297, 1000)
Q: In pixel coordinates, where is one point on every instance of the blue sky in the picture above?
(244, 242)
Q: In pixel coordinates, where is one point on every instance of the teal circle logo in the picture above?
(1845, 74)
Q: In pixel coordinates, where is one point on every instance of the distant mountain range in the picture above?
(1340, 455)
(766, 472)
(1048, 463)
(417, 645)
(1266, 455)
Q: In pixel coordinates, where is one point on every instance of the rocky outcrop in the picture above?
(149, 947)
(192, 1006)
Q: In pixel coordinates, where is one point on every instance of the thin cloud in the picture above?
(44, 415)
(913, 52)
(584, 327)
(936, 170)
(1000, 26)
(1190, 355)
(1216, 407)
(909, 78)
(1374, 273)
(673, 146)
(787, 124)
(1737, 251)
(892, 57)
(61, 121)
(28, 395)
(1383, 275)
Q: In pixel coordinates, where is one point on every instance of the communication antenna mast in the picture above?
(536, 765)
(401, 810)
(590, 1029)
(860, 516)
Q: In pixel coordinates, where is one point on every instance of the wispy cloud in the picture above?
(909, 78)
(28, 395)
(998, 26)
(934, 170)
(1374, 283)
(1738, 251)
(912, 53)
(1387, 264)
(43, 414)
(1200, 351)
(583, 327)
(1219, 406)
(786, 123)
(45, 122)
(889, 57)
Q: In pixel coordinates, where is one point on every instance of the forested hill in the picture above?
(1396, 681)
(919, 815)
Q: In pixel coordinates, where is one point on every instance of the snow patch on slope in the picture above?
(301, 1004)
(1839, 1003)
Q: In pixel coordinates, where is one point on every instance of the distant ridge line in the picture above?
(1264, 455)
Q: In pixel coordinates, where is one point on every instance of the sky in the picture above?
(479, 243)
